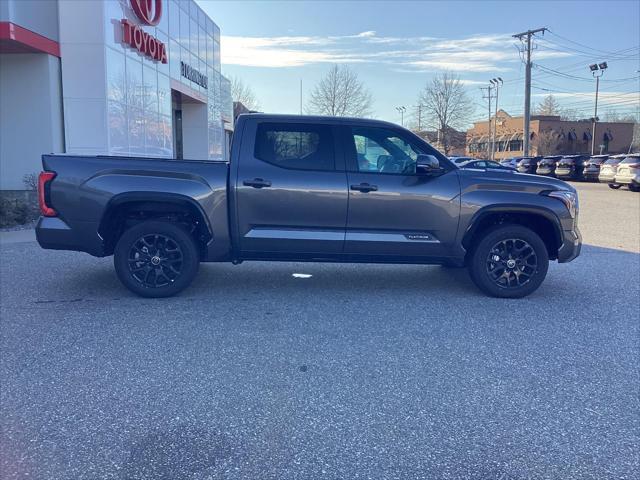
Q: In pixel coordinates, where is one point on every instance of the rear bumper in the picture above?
(571, 245)
(606, 178)
(53, 233)
(627, 179)
(546, 171)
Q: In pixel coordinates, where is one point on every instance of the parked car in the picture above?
(460, 160)
(528, 164)
(592, 167)
(510, 162)
(628, 172)
(388, 197)
(486, 165)
(547, 165)
(570, 167)
(608, 171)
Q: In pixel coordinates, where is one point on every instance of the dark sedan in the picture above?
(547, 166)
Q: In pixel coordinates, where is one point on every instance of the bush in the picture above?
(16, 212)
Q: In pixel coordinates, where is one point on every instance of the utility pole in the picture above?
(496, 82)
(527, 86)
(300, 96)
(419, 118)
(597, 69)
(488, 97)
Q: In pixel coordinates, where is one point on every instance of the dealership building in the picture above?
(109, 77)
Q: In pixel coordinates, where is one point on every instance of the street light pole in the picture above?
(401, 110)
(597, 70)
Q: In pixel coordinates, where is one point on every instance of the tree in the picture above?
(446, 107)
(340, 94)
(548, 106)
(616, 116)
(547, 142)
(241, 92)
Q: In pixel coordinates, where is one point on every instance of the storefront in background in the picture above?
(109, 77)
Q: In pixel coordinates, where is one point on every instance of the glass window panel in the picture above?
(184, 28)
(135, 91)
(150, 90)
(174, 59)
(136, 132)
(166, 136)
(164, 94)
(116, 76)
(194, 37)
(117, 125)
(152, 133)
(174, 20)
(163, 26)
(216, 56)
(202, 43)
(113, 13)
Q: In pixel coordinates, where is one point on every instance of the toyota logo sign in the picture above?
(145, 8)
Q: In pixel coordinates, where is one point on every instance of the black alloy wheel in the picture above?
(508, 261)
(156, 259)
(511, 263)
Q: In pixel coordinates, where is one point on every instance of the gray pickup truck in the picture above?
(301, 188)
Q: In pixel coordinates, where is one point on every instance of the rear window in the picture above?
(613, 161)
(631, 160)
(295, 146)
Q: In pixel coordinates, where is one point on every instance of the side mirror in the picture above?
(428, 165)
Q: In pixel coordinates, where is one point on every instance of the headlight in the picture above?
(570, 200)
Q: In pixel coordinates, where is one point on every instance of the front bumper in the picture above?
(571, 245)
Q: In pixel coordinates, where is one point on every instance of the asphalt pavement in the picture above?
(356, 372)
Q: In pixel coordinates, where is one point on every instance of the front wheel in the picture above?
(510, 261)
(634, 188)
(615, 186)
(156, 259)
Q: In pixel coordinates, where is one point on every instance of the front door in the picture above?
(291, 191)
(393, 211)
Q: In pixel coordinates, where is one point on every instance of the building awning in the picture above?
(586, 136)
(572, 136)
(516, 136)
(607, 137)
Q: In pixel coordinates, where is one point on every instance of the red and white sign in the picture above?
(143, 8)
(137, 38)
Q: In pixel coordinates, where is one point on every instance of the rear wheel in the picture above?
(510, 261)
(156, 259)
(615, 186)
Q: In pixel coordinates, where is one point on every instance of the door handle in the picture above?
(257, 183)
(364, 188)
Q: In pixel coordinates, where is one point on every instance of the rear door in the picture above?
(291, 190)
(393, 212)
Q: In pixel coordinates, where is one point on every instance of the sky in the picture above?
(396, 47)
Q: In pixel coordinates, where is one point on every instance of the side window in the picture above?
(382, 150)
(296, 146)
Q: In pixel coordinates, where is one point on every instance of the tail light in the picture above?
(44, 193)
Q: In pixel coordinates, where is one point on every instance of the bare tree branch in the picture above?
(447, 106)
(340, 94)
(241, 92)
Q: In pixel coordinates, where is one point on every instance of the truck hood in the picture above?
(513, 181)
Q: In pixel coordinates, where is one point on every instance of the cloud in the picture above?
(478, 53)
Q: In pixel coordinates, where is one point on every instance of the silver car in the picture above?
(608, 171)
(628, 172)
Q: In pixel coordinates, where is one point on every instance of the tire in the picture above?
(615, 186)
(634, 188)
(141, 246)
(517, 280)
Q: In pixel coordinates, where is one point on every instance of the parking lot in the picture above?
(358, 371)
